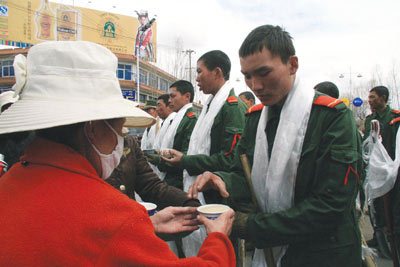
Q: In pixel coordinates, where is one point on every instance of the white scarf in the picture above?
(163, 130)
(200, 143)
(168, 139)
(274, 180)
(148, 137)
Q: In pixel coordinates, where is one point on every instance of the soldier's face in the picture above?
(375, 101)
(268, 77)
(162, 109)
(177, 100)
(206, 79)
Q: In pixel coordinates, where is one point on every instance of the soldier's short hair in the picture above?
(184, 87)
(381, 91)
(217, 58)
(274, 38)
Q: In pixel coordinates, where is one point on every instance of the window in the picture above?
(163, 85)
(7, 68)
(142, 98)
(143, 76)
(124, 72)
(153, 80)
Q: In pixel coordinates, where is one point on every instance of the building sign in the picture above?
(128, 94)
(24, 23)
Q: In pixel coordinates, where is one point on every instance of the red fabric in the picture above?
(327, 101)
(255, 108)
(394, 121)
(347, 175)
(236, 138)
(56, 211)
(232, 99)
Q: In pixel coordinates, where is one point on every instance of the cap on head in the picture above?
(150, 104)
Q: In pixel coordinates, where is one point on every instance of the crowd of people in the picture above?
(290, 168)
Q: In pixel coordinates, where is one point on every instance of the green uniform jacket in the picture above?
(388, 134)
(174, 175)
(384, 119)
(390, 144)
(321, 228)
(225, 133)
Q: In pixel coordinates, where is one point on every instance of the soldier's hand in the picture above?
(171, 155)
(207, 181)
(153, 158)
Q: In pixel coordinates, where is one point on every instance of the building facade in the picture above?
(153, 81)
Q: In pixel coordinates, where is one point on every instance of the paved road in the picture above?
(367, 230)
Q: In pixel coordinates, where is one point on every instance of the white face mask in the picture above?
(110, 161)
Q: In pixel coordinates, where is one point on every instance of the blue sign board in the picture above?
(128, 94)
(357, 102)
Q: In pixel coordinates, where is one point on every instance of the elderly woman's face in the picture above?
(105, 138)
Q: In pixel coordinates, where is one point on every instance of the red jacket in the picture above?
(56, 211)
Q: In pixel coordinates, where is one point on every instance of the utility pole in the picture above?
(190, 51)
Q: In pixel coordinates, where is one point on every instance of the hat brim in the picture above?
(26, 114)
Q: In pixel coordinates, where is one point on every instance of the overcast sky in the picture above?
(330, 37)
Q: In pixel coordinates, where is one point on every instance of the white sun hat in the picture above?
(7, 98)
(66, 82)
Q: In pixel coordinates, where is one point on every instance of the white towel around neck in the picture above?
(163, 130)
(167, 141)
(200, 143)
(274, 180)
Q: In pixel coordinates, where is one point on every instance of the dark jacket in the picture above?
(135, 173)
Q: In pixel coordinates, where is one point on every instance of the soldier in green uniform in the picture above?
(381, 111)
(213, 69)
(216, 133)
(180, 130)
(394, 195)
(302, 149)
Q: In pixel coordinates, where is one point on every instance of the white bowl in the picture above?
(150, 207)
(212, 211)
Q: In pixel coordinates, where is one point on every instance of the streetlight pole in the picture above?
(138, 74)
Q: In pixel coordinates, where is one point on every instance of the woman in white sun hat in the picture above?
(56, 209)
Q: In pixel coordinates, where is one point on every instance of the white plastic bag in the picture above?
(381, 169)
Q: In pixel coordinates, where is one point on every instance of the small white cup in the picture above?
(150, 207)
(212, 211)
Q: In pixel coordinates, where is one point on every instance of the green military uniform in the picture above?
(389, 142)
(174, 174)
(225, 133)
(388, 134)
(321, 228)
(384, 119)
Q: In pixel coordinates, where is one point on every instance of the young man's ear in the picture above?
(218, 72)
(294, 64)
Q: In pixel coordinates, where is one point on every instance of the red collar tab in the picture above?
(394, 121)
(257, 107)
(232, 99)
(327, 101)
